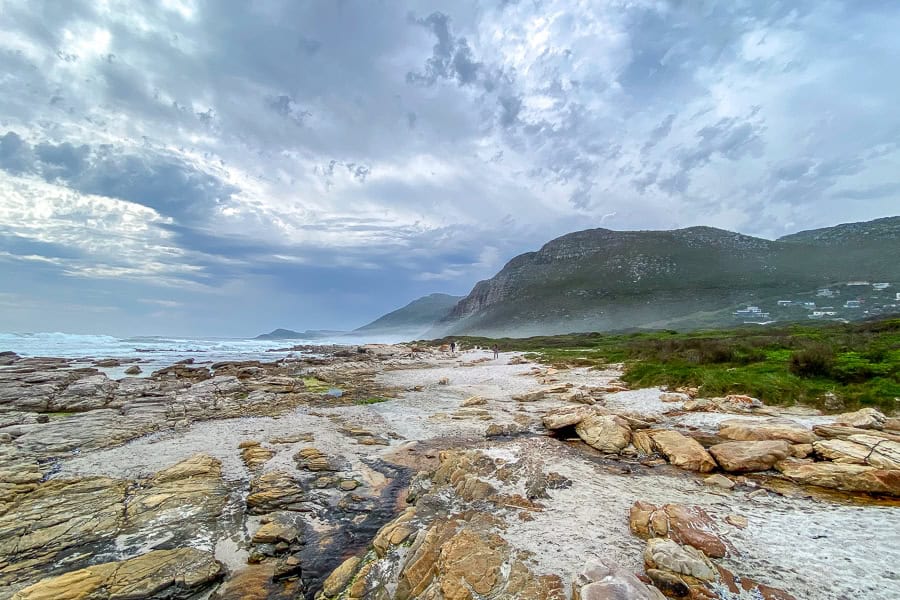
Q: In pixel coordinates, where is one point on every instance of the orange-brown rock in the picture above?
(683, 451)
(606, 433)
(861, 449)
(864, 418)
(276, 490)
(254, 455)
(394, 533)
(179, 573)
(740, 457)
(844, 477)
(765, 429)
(340, 577)
(744, 586)
(684, 524)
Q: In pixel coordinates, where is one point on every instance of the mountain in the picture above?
(600, 279)
(876, 231)
(414, 318)
(309, 334)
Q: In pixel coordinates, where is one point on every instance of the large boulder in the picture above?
(667, 555)
(689, 525)
(864, 418)
(605, 580)
(765, 429)
(460, 563)
(740, 457)
(565, 417)
(606, 433)
(683, 451)
(844, 477)
(171, 574)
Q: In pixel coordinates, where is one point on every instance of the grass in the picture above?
(373, 400)
(315, 385)
(858, 362)
(60, 414)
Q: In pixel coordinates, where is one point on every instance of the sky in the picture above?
(224, 168)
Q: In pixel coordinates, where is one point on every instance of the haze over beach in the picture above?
(507, 299)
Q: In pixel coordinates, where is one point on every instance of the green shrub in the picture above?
(851, 367)
(815, 361)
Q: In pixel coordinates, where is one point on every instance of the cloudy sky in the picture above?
(214, 167)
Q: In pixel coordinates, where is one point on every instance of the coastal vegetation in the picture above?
(312, 384)
(848, 365)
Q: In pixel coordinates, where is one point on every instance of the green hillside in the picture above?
(601, 280)
(415, 317)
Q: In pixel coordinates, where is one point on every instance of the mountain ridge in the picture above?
(602, 279)
(417, 316)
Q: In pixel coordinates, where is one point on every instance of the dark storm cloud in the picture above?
(659, 133)
(163, 183)
(510, 106)
(15, 154)
(453, 60)
(451, 57)
(287, 107)
(730, 138)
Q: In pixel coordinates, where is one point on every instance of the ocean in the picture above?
(154, 352)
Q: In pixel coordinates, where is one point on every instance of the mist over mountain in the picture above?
(599, 279)
(413, 319)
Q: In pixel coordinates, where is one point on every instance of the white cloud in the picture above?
(233, 143)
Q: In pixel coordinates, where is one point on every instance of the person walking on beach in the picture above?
(452, 347)
(496, 350)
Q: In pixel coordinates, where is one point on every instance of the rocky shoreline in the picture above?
(396, 472)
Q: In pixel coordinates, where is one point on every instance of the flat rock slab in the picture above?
(766, 429)
(844, 477)
(57, 519)
(170, 574)
(861, 449)
(742, 457)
